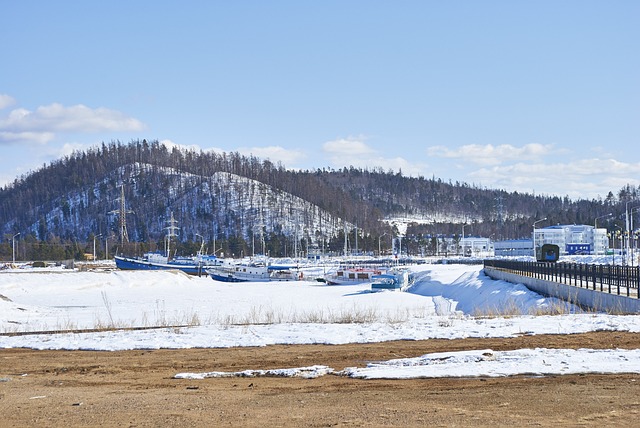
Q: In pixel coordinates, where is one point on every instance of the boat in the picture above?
(252, 272)
(394, 279)
(195, 265)
(350, 276)
(158, 261)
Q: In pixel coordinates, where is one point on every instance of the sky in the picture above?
(262, 314)
(540, 97)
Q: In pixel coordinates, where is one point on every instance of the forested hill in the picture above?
(233, 198)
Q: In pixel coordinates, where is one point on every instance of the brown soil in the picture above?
(137, 388)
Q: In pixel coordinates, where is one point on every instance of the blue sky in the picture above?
(539, 96)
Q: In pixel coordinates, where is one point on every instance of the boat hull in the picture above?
(129, 263)
(227, 278)
(351, 276)
(246, 273)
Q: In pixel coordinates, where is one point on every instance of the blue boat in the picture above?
(158, 261)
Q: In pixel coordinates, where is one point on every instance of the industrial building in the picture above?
(513, 248)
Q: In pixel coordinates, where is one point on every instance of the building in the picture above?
(513, 248)
(474, 246)
(573, 239)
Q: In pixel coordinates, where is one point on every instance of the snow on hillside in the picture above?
(236, 203)
(200, 312)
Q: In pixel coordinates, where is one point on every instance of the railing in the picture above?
(614, 279)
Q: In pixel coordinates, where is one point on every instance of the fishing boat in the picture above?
(195, 265)
(393, 279)
(252, 272)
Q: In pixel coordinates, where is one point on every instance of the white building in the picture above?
(573, 239)
(473, 246)
(513, 247)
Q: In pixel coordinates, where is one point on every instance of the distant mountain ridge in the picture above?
(227, 197)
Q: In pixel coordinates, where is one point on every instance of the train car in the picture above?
(548, 253)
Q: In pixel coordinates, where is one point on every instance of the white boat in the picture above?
(239, 273)
(393, 279)
(252, 272)
(352, 275)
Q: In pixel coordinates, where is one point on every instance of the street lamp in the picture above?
(632, 235)
(626, 213)
(94, 245)
(534, 235)
(379, 238)
(462, 240)
(618, 231)
(595, 223)
(13, 246)
(595, 226)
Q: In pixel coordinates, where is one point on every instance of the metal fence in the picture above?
(614, 279)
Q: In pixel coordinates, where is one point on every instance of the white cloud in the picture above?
(539, 168)
(351, 147)
(275, 154)
(489, 154)
(170, 145)
(6, 101)
(68, 149)
(397, 164)
(579, 179)
(355, 152)
(41, 126)
(26, 137)
(78, 118)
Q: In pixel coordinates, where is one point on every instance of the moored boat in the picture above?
(394, 279)
(195, 265)
(355, 275)
(252, 272)
(157, 261)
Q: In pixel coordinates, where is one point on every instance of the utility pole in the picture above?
(94, 246)
(171, 233)
(462, 241)
(626, 212)
(535, 254)
(356, 238)
(13, 246)
(122, 216)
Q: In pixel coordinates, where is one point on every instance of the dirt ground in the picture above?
(138, 389)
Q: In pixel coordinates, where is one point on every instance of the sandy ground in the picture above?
(138, 389)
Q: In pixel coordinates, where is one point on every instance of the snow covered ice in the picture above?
(171, 310)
